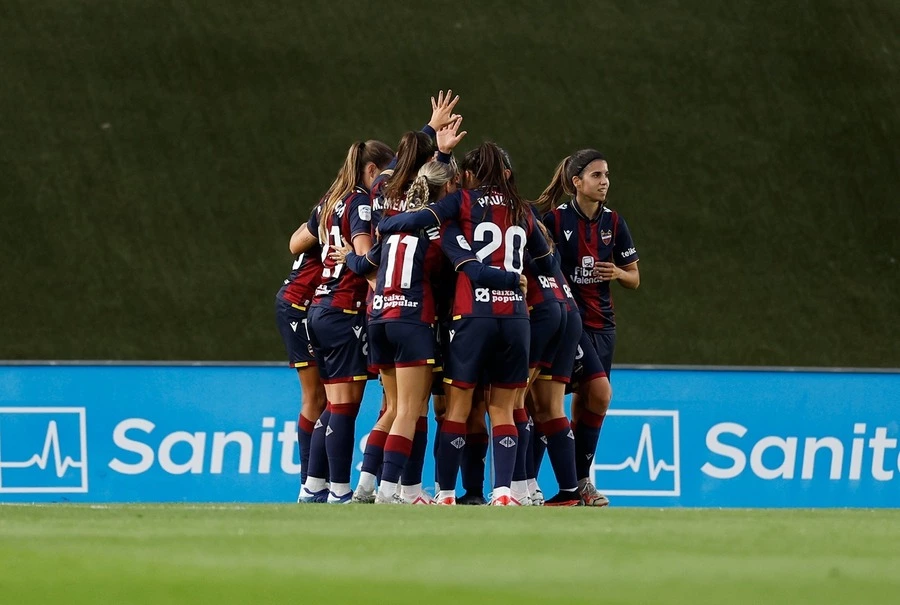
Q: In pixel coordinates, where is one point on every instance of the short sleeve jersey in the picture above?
(340, 287)
(485, 220)
(300, 286)
(582, 242)
(406, 265)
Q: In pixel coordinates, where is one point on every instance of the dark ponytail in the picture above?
(414, 150)
(558, 187)
(488, 164)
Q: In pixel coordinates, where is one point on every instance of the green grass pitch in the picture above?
(352, 554)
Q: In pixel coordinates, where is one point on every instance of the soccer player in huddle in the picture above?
(389, 197)
(595, 248)
(291, 306)
(402, 316)
(490, 329)
(336, 319)
(555, 330)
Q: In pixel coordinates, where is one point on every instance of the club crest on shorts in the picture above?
(606, 237)
(587, 262)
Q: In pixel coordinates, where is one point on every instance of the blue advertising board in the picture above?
(674, 437)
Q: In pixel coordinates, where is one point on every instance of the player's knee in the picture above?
(600, 397)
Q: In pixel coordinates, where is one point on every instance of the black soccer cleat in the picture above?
(472, 499)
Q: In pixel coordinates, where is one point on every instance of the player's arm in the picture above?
(624, 267)
(629, 275)
(302, 240)
(361, 264)
(360, 212)
(458, 249)
(430, 216)
(489, 277)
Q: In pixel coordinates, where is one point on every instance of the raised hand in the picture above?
(449, 136)
(442, 110)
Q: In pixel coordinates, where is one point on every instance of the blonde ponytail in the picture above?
(350, 176)
(428, 183)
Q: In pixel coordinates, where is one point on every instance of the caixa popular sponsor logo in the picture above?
(865, 453)
(141, 446)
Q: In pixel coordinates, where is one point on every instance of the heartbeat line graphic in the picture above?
(51, 442)
(644, 449)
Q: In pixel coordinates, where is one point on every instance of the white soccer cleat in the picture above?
(363, 496)
(420, 498)
(445, 498)
(537, 497)
(591, 496)
(392, 499)
(522, 499)
(502, 496)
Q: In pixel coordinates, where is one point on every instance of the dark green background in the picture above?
(156, 156)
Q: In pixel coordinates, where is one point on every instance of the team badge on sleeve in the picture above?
(365, 213)
(463, 242)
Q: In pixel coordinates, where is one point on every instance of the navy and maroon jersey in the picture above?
(300, 286)
(582, 243)
(485, 220)
(542, 288)
(406, 263)
(339, 287)
(377, 195)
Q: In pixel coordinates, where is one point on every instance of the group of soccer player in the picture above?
(436, 274)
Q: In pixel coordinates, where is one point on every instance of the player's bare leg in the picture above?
(374, 450)
(439, 403)
(412, 385)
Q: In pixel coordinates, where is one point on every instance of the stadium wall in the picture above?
(676, 436)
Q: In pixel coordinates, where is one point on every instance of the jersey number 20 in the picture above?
(514, 248)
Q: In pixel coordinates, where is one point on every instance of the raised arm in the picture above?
(434, 214)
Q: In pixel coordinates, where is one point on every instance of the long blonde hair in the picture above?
(350, 175)
(427, 185)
